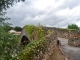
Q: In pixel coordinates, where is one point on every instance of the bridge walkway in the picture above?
(72, 52)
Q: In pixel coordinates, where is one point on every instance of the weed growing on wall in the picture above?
(34, 31)
(29, 29)
(32, 49)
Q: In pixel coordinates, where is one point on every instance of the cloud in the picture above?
(56, 13)
(70, 4)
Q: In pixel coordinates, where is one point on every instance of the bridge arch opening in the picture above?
(24, 41)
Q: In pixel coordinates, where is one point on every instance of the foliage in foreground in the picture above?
(9, 45)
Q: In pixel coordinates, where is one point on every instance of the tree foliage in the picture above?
(4, 4)
(73, 26)
(9, 46)
(7, 27)
(17, 28)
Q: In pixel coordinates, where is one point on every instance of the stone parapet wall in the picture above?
(72, 35)
(45, 55)
(63, 33)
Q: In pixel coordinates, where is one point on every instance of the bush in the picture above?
(29, 29)
(9, 45)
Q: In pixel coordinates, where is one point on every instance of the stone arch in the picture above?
(24, 40)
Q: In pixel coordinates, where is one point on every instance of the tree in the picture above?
(17, 28)
(7, 27)
(8, 49)
(73, 26)
(8, 42)
(4, 4)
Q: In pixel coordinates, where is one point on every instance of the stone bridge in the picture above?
(63, 33)
(70, 51)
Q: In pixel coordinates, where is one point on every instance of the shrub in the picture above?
(9, 45)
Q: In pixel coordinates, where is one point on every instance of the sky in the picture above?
(51, 13)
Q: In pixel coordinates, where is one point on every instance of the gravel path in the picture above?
(72, 52)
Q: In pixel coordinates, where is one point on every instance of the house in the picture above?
(14, 32)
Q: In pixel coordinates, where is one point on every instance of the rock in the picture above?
(74, 42)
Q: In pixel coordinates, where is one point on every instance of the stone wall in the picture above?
(74, 42)
(72, 35)
(63, 33)
(51, 42)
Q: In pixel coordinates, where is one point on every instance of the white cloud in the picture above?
(44, 4)
(78, 23)
(58, 13)
(70, 12)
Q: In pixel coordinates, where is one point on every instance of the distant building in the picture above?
(14, 32)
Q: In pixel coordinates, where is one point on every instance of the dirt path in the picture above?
(72, 52)
(57, 54)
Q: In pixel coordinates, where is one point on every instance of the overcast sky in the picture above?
(54, 13)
